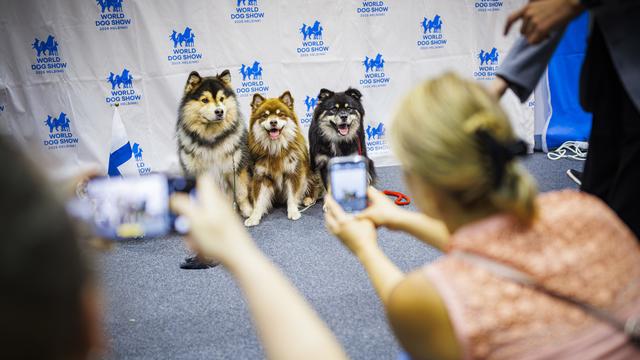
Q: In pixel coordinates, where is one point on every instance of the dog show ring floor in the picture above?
(155, 310)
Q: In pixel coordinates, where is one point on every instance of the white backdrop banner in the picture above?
(66, 63)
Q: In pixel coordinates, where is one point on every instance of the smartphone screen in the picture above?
(130, 207)
(349, 184)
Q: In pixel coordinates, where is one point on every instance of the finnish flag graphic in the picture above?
(121, 161)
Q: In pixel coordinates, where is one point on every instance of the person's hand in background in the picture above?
(215, 231)
(498, 87)
(540, 17)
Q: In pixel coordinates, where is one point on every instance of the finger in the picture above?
(208, 193)
(375, 195)
(331, 223)
(335, 208)
(513, 18)
(181, 204)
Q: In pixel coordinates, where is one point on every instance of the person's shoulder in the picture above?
(569, 199)
(571, 209)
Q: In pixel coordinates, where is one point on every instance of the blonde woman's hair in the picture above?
(434, 134)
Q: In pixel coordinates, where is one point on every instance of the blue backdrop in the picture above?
(568, 121)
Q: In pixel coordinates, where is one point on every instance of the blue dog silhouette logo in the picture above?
(432, 26)
(373, 64)
(313, 32)
(48, 47)
(311, 103)
(137, 151)
(488, 57)
(183, 39)
(375, 133)
(123, 80)
(247, 3)
(59, 124)
(253, 72)
(110, 5)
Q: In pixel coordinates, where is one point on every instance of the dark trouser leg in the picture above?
(612, 169)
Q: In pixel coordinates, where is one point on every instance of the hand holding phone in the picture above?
(348, 182)
(132, 207)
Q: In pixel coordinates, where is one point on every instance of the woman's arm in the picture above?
(415, 310)
(287, 326)
(383, 212)
(427, 229)
(360, 236)
(420, 320)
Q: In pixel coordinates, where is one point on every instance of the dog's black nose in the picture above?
(273, 123)
(219, 112)
(343, 117)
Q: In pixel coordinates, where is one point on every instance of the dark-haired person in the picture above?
(609, 89)
(49, 305)
(522, 273)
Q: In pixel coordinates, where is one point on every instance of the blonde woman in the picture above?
(523, 275)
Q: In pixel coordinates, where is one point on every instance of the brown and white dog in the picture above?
(279, 152)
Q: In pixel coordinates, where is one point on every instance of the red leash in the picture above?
(401, 199)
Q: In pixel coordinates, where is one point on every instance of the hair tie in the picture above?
(499, 154)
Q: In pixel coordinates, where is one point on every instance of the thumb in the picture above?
(375, 196)
(181, 205)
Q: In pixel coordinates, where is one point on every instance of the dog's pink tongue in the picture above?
(274, 134)
(343, 130)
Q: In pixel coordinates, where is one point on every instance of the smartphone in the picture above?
(348, 182)
(135, 207)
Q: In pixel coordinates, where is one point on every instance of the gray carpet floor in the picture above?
(154, 310)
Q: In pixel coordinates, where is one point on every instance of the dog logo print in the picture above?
(124, 80)
(183, 39)
(59, 124)
(110, 5)
(375, 132)
(488, 58)
(432, 26)
(373, 64)
(247, 3)
(253, 72)
(311, 103)
(48, 47)
(311, 32)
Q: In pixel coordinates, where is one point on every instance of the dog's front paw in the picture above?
(246, 210)
(293, 214)
(307, 201)
(251, 221)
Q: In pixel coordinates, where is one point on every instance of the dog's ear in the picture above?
(287, 99)
(257, 101)
(324, 93)
(193, 81)
(354, 93)
(225, 76)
